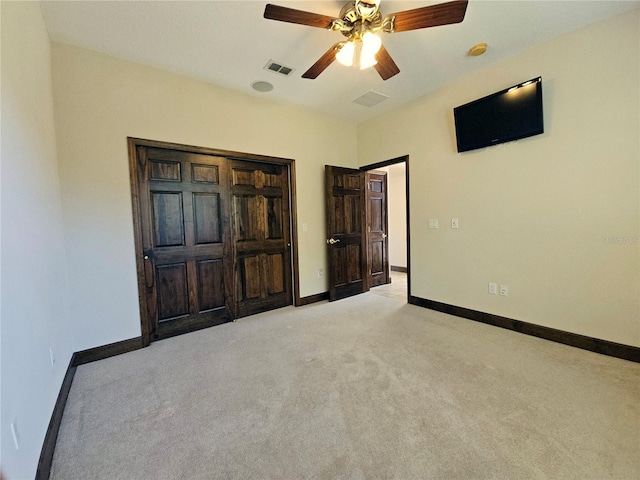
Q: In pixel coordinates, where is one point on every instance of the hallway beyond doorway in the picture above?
(396, 289)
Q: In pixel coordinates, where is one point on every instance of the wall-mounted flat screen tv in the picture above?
(505, 116)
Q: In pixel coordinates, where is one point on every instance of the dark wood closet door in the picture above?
(377, 226)
(185, 240)
(346, 239)
(261, 238)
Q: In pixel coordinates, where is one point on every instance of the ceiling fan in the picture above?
(359, 21)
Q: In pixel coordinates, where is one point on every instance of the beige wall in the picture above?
(99, 102)
(556, 216)
(35, 298)
(397, 206)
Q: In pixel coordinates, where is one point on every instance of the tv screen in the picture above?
(508, 115)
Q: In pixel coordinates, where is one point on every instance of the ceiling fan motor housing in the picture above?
(357, 13)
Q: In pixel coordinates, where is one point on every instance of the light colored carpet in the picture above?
(367, 387)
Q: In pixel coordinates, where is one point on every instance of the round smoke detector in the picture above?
(262, 86)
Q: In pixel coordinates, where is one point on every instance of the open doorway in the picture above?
(398, 236)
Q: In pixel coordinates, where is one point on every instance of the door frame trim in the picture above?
(132, 146)
(403, 159)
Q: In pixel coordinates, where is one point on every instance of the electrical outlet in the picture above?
(320, 273)
(454, 223)
(493, 288)
(504, 290)
(14, 434)
(52, 356)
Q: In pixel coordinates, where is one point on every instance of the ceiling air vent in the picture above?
(278, 68)
(370, 99)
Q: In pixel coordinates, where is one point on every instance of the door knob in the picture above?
(332, 241)
(384, 235)
(146, 257)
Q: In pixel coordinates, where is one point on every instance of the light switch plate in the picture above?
(433, 223)
(493, 288)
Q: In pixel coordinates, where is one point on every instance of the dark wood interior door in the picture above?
(261, 236)
(377, 227)
(184, 240)
(346, 239)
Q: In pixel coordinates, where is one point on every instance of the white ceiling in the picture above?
(228, 43)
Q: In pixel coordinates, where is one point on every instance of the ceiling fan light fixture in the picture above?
(367, 61)
(346, 53)
(360, 50)
(371, 43)
(370, 46)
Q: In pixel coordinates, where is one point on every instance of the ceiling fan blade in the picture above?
(323, 62)
(431, 16)
(284, 14)
(386, 67)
